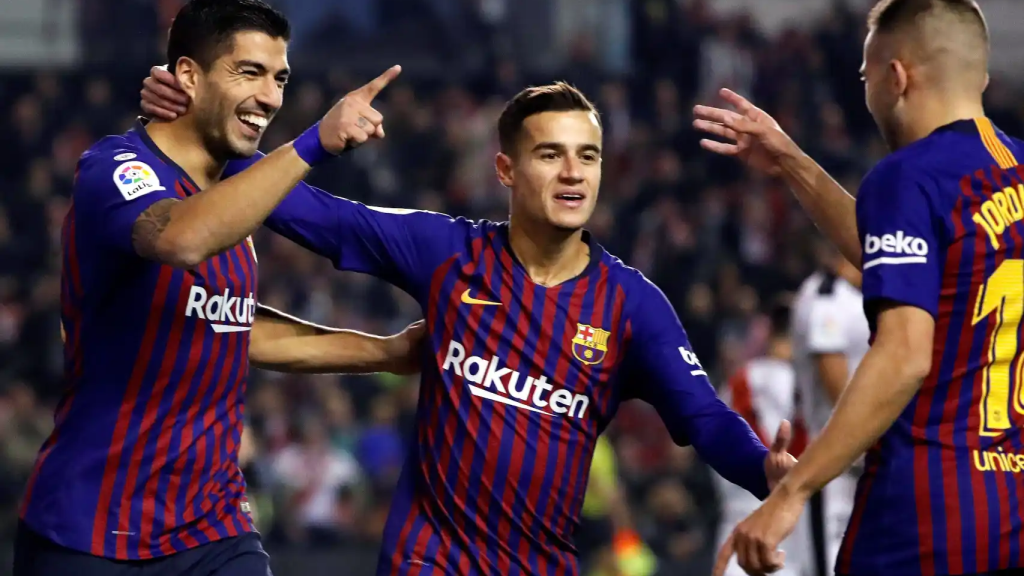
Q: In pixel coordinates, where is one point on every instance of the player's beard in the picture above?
(213, 123)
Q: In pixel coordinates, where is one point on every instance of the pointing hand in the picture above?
(353, 120)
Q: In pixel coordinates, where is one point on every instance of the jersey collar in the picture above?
(140, 131)
(596, 252)
(967, 126)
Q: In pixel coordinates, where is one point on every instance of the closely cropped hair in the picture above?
(890, 15)
(557, 97)
(204, 29)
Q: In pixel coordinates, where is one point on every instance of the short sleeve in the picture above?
(902, 237)
(400, 246)
(670, 377)
(826, 332)
(112, 188)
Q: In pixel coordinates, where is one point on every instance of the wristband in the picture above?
(309, 147)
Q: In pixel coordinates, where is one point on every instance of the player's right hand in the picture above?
(756, 138)
(353, 120)
(162, 97)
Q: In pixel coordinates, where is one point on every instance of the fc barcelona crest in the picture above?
(590, 344)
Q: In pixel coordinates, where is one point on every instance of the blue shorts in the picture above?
(242, 555)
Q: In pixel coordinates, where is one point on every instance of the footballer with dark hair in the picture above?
(536, 335)
(160, 316)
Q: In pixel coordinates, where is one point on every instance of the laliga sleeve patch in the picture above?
(135, 179)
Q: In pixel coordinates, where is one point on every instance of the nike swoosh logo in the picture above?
(467, 299)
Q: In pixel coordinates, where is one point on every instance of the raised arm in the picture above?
(400, 246)
(283, 343)
(185, 232)
(757, 140)
(671, 378)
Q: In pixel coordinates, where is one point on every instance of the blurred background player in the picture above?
(936, 397)
(763, 393)
(159, 302)
(830, 336)
(530, 322)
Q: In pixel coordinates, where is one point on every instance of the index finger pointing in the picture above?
(724, 555)
(370, 90)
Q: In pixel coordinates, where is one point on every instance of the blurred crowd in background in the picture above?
(321, 453)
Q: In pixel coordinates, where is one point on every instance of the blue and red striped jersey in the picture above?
(143, 457)
(519, 380)
(943, 489)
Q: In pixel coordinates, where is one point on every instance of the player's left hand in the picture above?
(755, 541)
(162, 97)
(779, 461)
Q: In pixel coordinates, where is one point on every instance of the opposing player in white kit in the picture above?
(763, 392)
(830, 336)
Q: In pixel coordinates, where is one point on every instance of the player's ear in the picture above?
(899, 77)
(987, 78)
(188, 72)
(503, 166)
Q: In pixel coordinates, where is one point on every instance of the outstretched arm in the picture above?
(399, 246)
(673, 381)
(283, 343)
(830, 206)
(757, 140)
(186, 232)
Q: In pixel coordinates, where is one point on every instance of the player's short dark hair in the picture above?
(203, 30)
(557, 97)
(894, 15)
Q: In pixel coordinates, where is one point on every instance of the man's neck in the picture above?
(930, 116)
(550, 256)
(180, 142)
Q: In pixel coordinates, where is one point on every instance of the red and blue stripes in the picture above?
(490, 487)
(71, 329)
(928, 503)
(166, 472)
